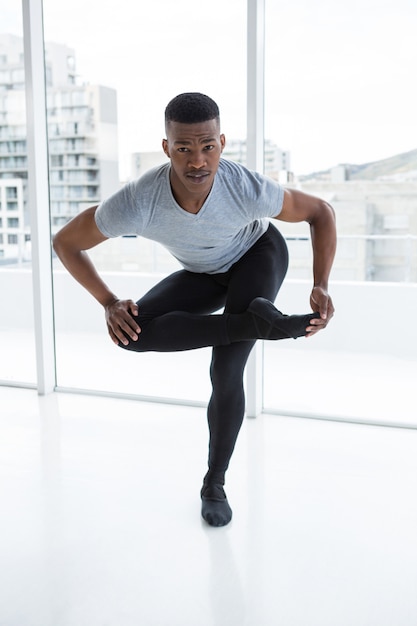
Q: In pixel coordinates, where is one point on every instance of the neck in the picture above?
(190, 202)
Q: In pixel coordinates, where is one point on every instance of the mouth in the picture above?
(198, 177)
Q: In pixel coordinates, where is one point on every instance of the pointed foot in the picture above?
(272, 324)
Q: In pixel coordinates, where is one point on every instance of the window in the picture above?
(5, 77)
(18, 76)
(125, 116)
(351, 142)
(319, 103)
(397, 222)
(57, 160)
(11, 192)
(297, 124)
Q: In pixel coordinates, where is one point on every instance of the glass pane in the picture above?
(340, 102)
(106, 101)
(18, 362)
(340, 105)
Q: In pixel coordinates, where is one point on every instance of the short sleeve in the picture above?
(119, 214)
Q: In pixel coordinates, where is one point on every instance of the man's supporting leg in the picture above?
(225, 415)
(259, 273)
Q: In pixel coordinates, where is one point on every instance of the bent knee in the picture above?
(133, 346)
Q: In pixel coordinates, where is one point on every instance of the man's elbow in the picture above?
(56, 243)
(324, 212)
(330, 209)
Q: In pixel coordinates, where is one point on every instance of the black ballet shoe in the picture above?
(272, 324)
(215, 509)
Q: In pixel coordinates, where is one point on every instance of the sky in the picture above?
(340, 81)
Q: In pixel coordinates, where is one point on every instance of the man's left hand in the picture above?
(320, 302)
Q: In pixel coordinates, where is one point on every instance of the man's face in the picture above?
(194, 150)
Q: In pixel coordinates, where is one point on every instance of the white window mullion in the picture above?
(38, 193)
(255, 161)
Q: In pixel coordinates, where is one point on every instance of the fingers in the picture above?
(320, 302)
(123, 331)
(122, 327)
(316, 324)
(134, 309)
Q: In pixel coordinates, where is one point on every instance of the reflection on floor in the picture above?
(100, 521)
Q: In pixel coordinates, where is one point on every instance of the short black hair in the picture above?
(191, 108)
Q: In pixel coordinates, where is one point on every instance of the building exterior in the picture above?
(141, 162)
(82, 129)
(377, 230)
(277, 162)
(12, 238)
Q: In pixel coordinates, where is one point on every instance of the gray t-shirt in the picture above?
(230, 221)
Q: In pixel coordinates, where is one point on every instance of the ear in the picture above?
(222, 141)
(165, 147)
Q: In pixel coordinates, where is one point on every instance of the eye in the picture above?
(209, 147)
(183, 149)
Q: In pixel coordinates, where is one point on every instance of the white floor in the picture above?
(100, 519)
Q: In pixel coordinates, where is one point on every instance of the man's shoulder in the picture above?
(237, 175)
(248, 187)
(233, 169)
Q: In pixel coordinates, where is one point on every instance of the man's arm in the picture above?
(70, 245)
(301, 207)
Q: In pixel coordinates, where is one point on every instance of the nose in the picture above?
(197, 160)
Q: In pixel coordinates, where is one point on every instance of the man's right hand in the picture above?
(120, 321)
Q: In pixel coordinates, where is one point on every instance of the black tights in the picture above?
(176, 315)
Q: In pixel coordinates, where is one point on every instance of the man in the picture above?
(211, 214)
